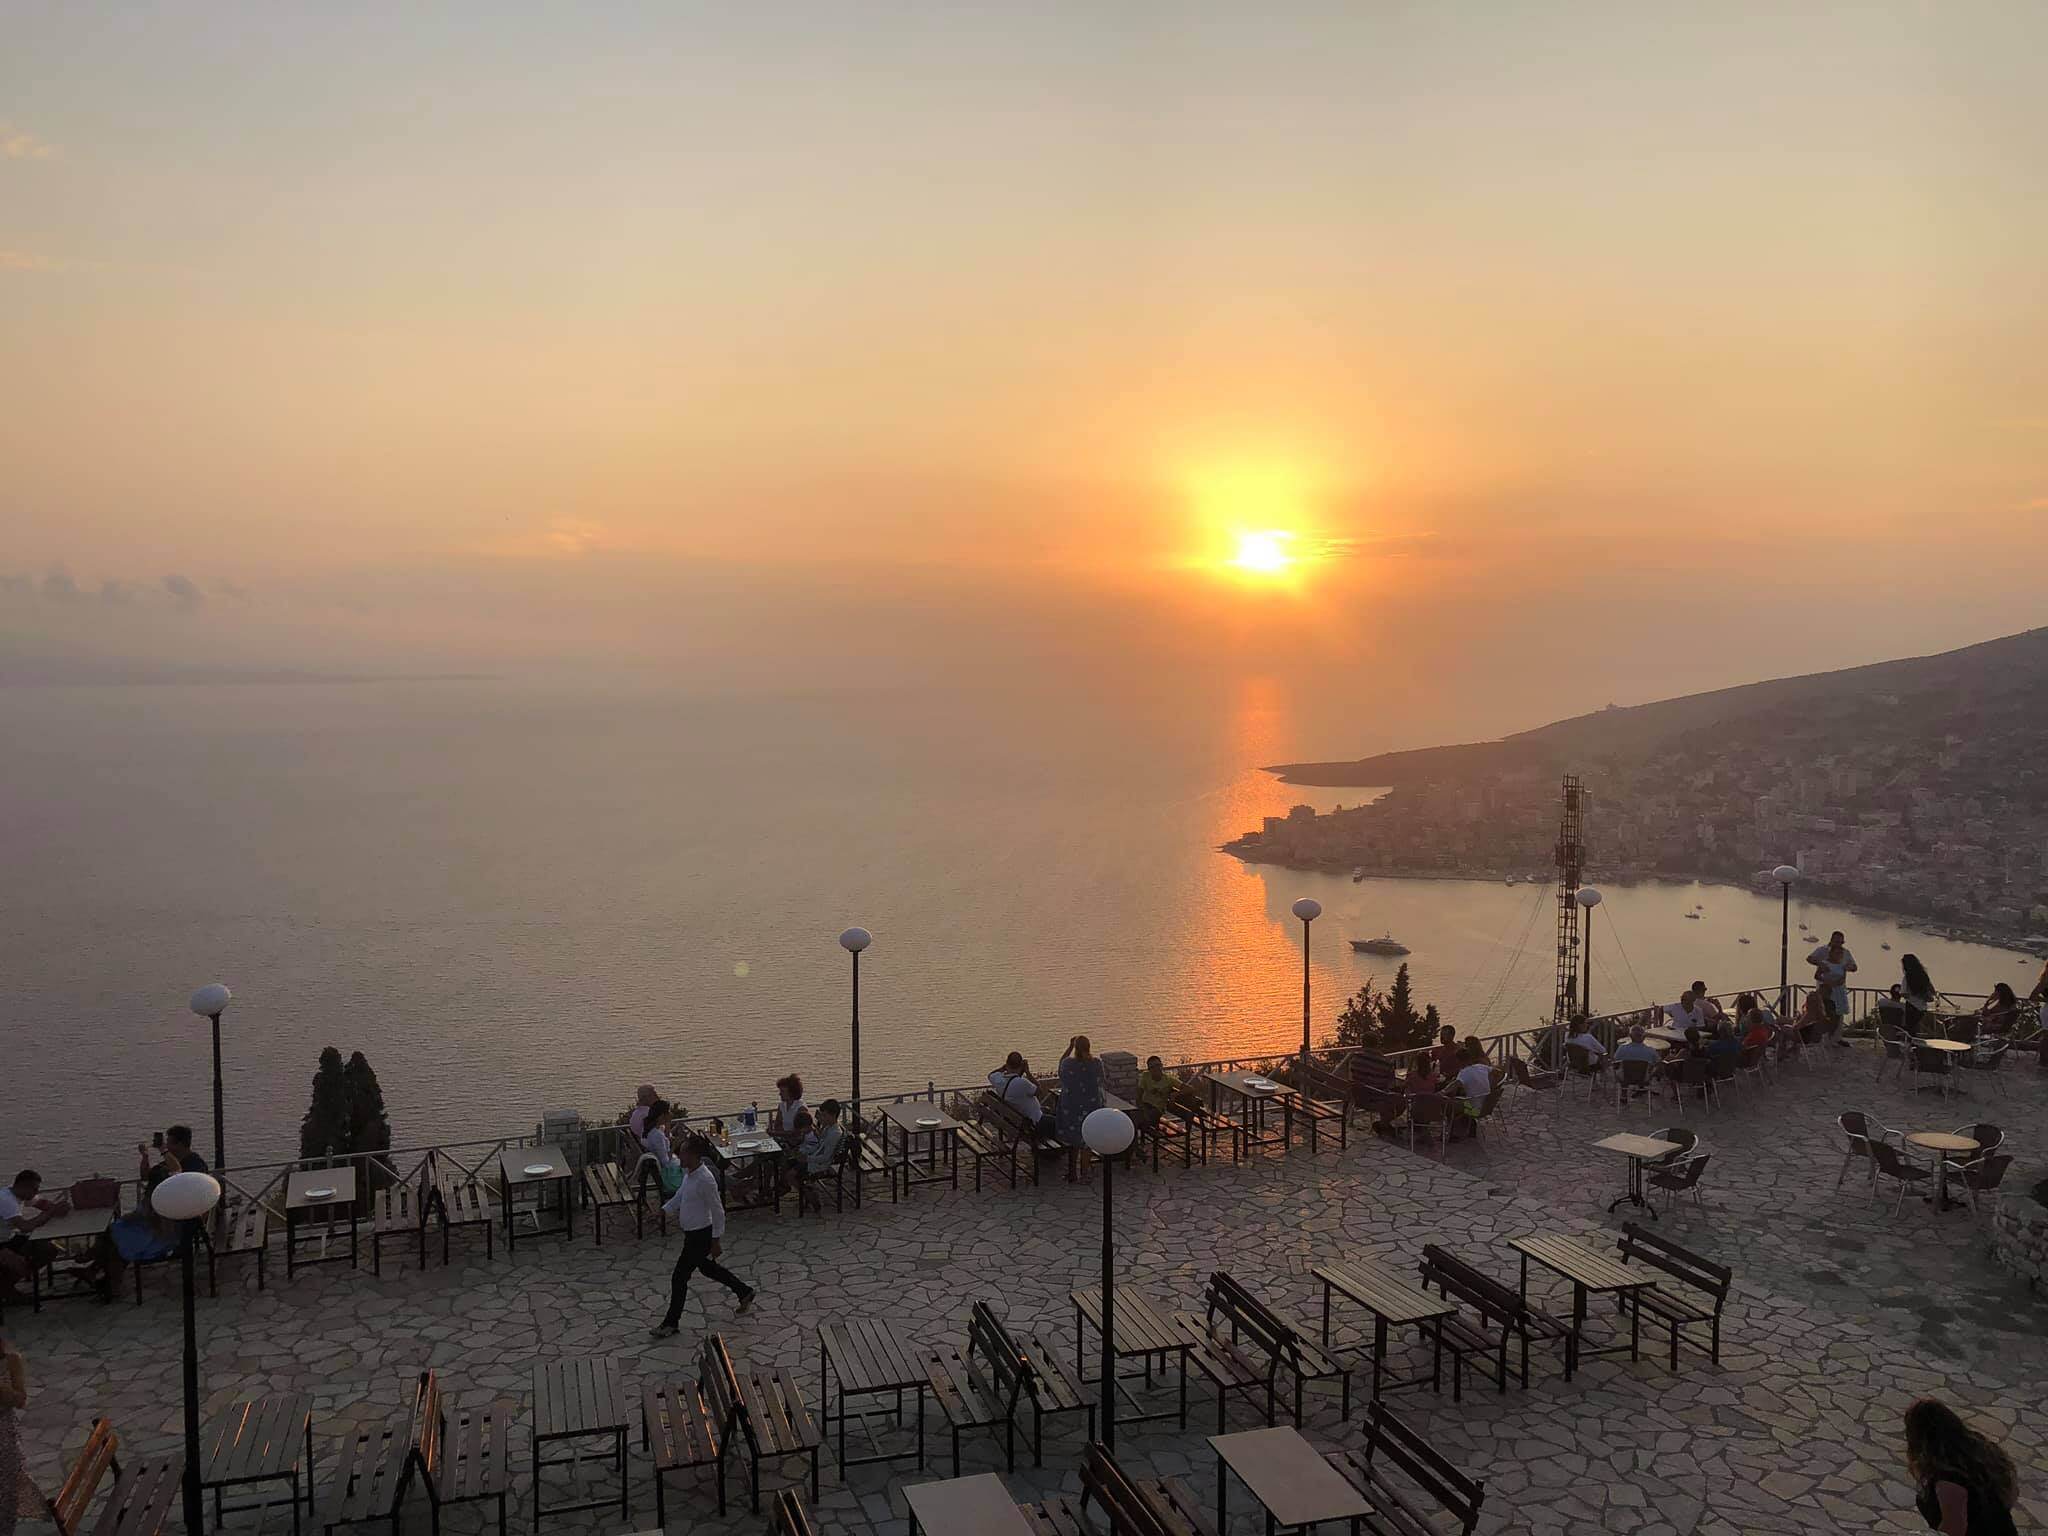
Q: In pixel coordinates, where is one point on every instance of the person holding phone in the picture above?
(174, 1153)
(17, 1496)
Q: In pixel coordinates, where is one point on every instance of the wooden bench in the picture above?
(1698, 1275)
(682, 1431)
(373, 1473)
(399, 1210)
(985, 1385)
(1007, 1124)
(790, 1517)
(1135, 1506)
(1175, 1126)
(869, 1155)
(82, 1478)
(141, 1496)
(1212, 1124)
(1500, 1305)
(242, 1232)
(761, 1411)
(610, 1186)
(1486, 1339)
(470, 1466)
(461, 1199)
(983, 1140)
(1425, 1472)
(1325, 1100)
(1242, 1345)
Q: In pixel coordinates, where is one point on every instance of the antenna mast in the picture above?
(1571, 862)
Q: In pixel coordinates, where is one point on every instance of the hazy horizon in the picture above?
(1583, 353)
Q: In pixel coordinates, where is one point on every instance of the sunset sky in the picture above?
(1690, 343)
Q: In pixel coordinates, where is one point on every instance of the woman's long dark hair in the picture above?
(1918, 982)
(1940, 1445)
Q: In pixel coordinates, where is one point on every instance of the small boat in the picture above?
(1694, 916)
(1887, 946)
(1358, 874)
(1742, 941)
(1509, 881)
(1388, 945)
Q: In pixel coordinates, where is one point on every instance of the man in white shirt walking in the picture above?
(701, 1216)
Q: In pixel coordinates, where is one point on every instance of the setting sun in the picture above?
(1264, 553)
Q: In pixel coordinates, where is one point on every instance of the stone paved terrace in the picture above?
(1842, 1313)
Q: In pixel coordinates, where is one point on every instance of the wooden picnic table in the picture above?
(869, 1361)
(1287, 1475)
(1636, 1149)
(1144, 1331)
(965, 1506)
(1392, 1301)
(1590, 1273)
(921, 1117)
(516, 1171)
(317, 1189)
(259, 1440)
(578, 1400)
(1255, 1099)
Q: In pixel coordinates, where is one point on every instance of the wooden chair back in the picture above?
(1457, 1493)
(1123, 1501)
(720, 1384)
(1660, 1252)
(428, 1421)
(997, 1366)
(82, 1479)
(1248, 1316)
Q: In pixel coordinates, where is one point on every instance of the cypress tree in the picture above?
(326, 1126)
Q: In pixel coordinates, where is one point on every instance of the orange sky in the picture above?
(495, 335)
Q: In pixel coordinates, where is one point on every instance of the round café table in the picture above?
(1941, 1144)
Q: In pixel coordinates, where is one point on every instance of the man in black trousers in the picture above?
(701, 1215)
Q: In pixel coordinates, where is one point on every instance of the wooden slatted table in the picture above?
(965, 1506)
(513, 1176)
(1590, 1273)
(1391, 1300)
(578, 1400)
(1287, 1475)
(909, 1117)
(90, 1222)
(869, 1361)
(1143, 1332)
(1636, 1149)
(1255, 1101)
(318, 1189)
(259, 1440)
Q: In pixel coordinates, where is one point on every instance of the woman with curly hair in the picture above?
(1965, 1485)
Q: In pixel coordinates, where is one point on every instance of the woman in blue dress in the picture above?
(1080, 1088)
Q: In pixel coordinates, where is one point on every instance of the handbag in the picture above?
(96, 1194)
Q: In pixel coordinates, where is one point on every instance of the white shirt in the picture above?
(1019, 1092)
(10, 1212)
(636, 1122)
(1588, 1041)
(695, 1204)
(1477, 1081)
(1694, 1016)
(1840, 969)
(789, 1113)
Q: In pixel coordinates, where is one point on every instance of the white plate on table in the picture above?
(319, 1194)
(748, 1146)
(931, 1121)
(537, 1169)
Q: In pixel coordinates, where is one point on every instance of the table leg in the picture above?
(569, 1220)
(1222, 1476)
(1379, 1351)
(1326, 1314)
(353, 1227)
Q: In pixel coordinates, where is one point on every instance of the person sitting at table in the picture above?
(1687, 1013)
(1011, 1082)
(22, 1210)
(177, 1156)
(1816, 1016)
(1694, 1043)
(1158, 1091)
(1637, 1046)
(789, 1103)
(816, 1151)
(1470, 1088)
(2000, 1014)
(1581, 1035)
(644, 1098)
(1445, 1052)
(1757, 1024)
(1723, 1042)
(667, 1166)
(1711, 1012)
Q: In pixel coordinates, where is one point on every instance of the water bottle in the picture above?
(753, 1114)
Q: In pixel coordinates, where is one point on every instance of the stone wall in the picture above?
(2019, 1236)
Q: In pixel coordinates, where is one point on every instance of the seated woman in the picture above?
(667, 1166)
(2000, 1014)
(819, 1147)
(1817, 1016)
(1755, 1024)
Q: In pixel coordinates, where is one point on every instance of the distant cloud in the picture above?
(13, 260)
(184, 591)
(19, 144)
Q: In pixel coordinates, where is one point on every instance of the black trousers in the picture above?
(697, 1256)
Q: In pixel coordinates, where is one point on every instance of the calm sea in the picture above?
(517, 897)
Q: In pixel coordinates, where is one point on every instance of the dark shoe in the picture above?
(745, 1303)
(663, 1331)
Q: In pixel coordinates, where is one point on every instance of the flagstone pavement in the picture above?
(1844, 1310)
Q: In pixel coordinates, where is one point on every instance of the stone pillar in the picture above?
(1120, 1073)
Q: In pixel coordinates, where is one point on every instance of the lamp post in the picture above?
(1785, 874)
(853, 941)
(186, 1198)
(1589, 899)
(1109, 1133)
(209, 1002)
(1308, 909)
